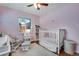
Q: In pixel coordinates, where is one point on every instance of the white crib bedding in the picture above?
(48, 45)
(4, 45)
(3, 41)
(49, 40)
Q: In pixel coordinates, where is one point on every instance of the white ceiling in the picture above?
(23, 7)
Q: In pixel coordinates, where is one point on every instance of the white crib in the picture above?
(52, 40)
(4, 45)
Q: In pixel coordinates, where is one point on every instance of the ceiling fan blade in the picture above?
(44, 4)
(30, 5)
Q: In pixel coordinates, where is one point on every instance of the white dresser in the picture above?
(69, 47)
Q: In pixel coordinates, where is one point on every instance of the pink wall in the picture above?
(0, 19)
(10, 23)
(65, 17)
(0, 22)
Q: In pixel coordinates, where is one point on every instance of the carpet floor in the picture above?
(35, 50)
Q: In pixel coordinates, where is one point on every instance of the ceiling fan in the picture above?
(38, 5)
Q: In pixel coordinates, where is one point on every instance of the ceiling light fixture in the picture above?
(38, 5)
(35, 5)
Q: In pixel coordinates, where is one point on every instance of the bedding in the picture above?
(4, 45)
(3, 41)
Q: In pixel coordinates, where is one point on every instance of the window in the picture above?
(24, 24)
